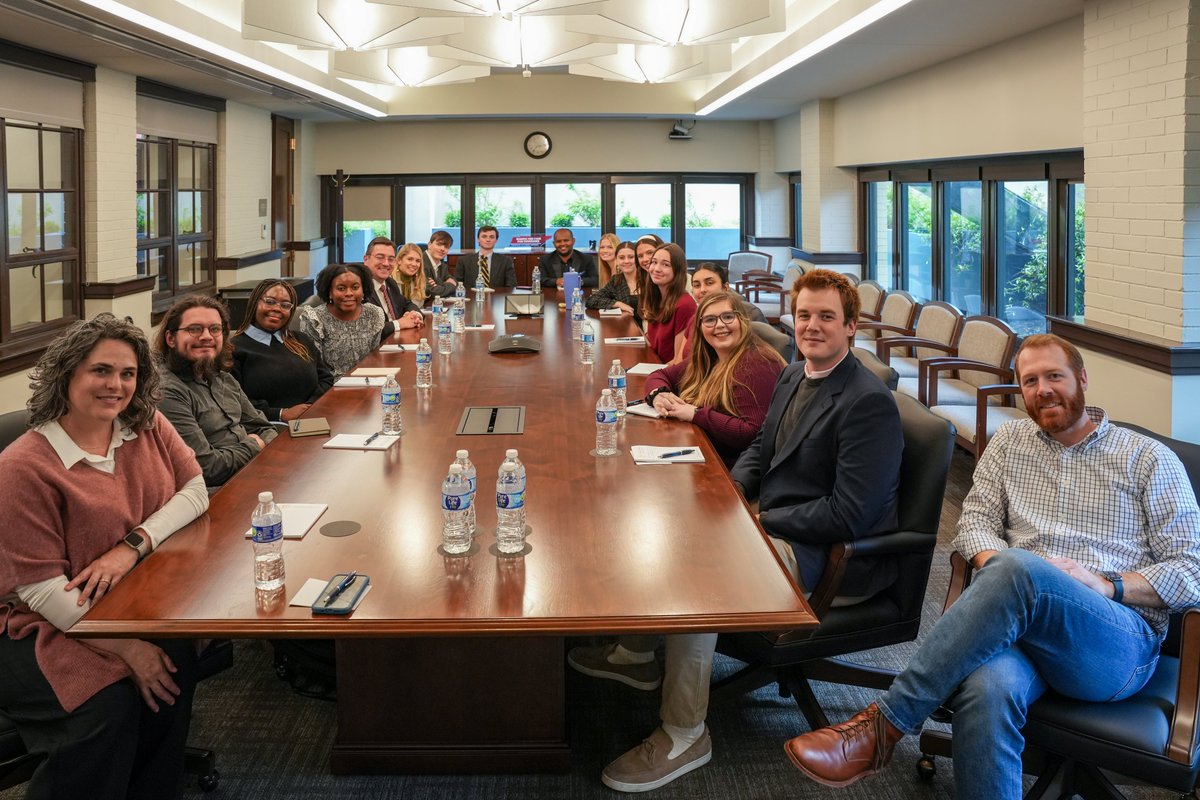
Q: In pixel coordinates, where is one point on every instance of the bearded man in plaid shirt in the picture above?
(1084, 537)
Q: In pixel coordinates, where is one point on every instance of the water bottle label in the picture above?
(391, 398)
(264, 534)
(456, 502)
(589, 338)
(444, 328)
(424, 358)
(606, 416)
(617, 383)
(512, 500)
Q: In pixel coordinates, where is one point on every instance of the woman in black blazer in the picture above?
(281, 371)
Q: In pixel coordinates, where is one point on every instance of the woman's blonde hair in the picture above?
(413, 287)
(708, 381)
(607, 268)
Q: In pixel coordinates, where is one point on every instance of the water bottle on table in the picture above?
(578, 313)
(463, 459)
(266, 524)
(459, 313)
(606, 424)
(445, 340)
(437, 308)
(510, 510)
(479, 288)
(424, 365)
(456, 502)
(393, 424)
(587, 344)
(536, 278)
(616, 382)
(510, 457)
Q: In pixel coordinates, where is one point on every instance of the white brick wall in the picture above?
(1141, 167)
(243, 178)
(828, 192)
(110, 176)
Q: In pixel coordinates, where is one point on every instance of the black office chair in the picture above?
(793, 658)
(17, 764)
(1152, 737)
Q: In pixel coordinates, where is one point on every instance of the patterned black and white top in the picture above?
(342, 344)
(1115, 501)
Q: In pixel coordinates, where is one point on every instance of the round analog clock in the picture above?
(537, 145)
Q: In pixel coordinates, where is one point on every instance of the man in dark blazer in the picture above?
(437, 273)
(501, 272)
(825, 468)
(383, 291)
(565, 257)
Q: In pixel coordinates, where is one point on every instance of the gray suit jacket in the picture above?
(438, 273)
(501, 270)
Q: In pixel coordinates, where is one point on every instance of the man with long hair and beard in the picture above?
(199, 396)
(1084, 537)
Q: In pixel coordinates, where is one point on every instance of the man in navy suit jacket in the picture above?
(501, 270)
(383, 291)
(824, 468)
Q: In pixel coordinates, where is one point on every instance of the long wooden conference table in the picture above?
(456, 664)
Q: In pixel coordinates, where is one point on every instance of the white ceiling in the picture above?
(302, 83)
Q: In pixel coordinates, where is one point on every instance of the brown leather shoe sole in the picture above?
(825, 781)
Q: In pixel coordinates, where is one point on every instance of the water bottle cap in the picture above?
(266, 497)
(616, 362)
(456, 469)
(510, 453)
(424, 341)
(606, 393)
(460, 454)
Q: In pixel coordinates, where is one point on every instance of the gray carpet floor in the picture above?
(272, 743)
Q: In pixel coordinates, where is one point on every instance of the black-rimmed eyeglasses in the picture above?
(710, 320)
(271, 302)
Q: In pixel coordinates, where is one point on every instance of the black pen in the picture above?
(296, 426)
(687, 452)
(370, 438)
(341, 587)
(635, 402)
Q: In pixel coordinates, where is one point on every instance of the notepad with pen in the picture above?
(309, 426)
(342, 594)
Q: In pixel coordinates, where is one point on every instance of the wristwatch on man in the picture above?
(139, 543)
(1118, 585)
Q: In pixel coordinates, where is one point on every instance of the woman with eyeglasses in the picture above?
(624, 287)
(726, 383)
(666, 305)
(281, 371)
(344, 329)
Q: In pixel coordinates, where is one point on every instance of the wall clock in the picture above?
(537, 145)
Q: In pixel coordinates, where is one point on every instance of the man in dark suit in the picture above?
(498, 269)
(437, 273)
(383, 291)
(824, 468)
(564, 258)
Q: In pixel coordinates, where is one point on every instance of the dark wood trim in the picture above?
(884, 172)
(829, 259)
(910, 175)
(23, 57)
(310, 244)
(23, 353)
(109, 290)
(769, 241)
(874, 175)
(1160, 355)
(956, 173)
(172, 94)
(247, 259)
(1017, 172)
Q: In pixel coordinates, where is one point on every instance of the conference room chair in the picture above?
(977, 424)
(870, 300)
(780, 342)
(764, 290)
(853, 278)
(938, 327)
(742, 261)
(17, 764)
(794, 658)
(881, 370)
(787, 320)
(896, 317)
(1152, 737)
(985, 354)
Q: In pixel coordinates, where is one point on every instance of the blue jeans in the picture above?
(1023, 625)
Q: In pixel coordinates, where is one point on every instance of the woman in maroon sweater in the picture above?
(725, 386)
(666, 305)
(99, 481)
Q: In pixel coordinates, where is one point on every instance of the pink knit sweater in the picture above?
(57, 521)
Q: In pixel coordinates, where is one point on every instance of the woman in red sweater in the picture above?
(666, 305)
(96, 484)
(725, 386)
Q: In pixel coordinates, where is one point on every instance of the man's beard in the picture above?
(1072, 409)
(204, 369)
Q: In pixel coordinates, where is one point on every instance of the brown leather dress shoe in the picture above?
(842, 754)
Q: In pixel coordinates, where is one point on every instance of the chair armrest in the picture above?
(960, 578)
(883, 347)
(1183, 739)
(840, 553)
(883, 326)
(865, 316)
(931, 366)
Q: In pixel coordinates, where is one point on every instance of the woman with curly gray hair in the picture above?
(98, 482)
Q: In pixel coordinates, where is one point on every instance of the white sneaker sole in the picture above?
(645, 686)
(620, 786)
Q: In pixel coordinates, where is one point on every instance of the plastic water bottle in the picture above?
(479, 287)
(587, 344)
(616, 382)
(393, 424)
(456, 503)
(606, 424)
(267, 526)
(578, 313)
(463, 459)
(510, 457)
(510, 510)
(445, 340)
(536, 278)
(460, 291)
(459, 313)
(424, 365)
(438, 308)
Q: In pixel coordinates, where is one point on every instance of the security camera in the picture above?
(527, 73)
(681, 131)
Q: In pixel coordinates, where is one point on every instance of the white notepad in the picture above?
(397, 348)
(312, 589)
(643, 410)
(649, 454)
(611, 312)
(358, 441)
(644, 369)
(298, 518)
(374, 372)
(487, 327)
(638, 340)
(348, 382)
